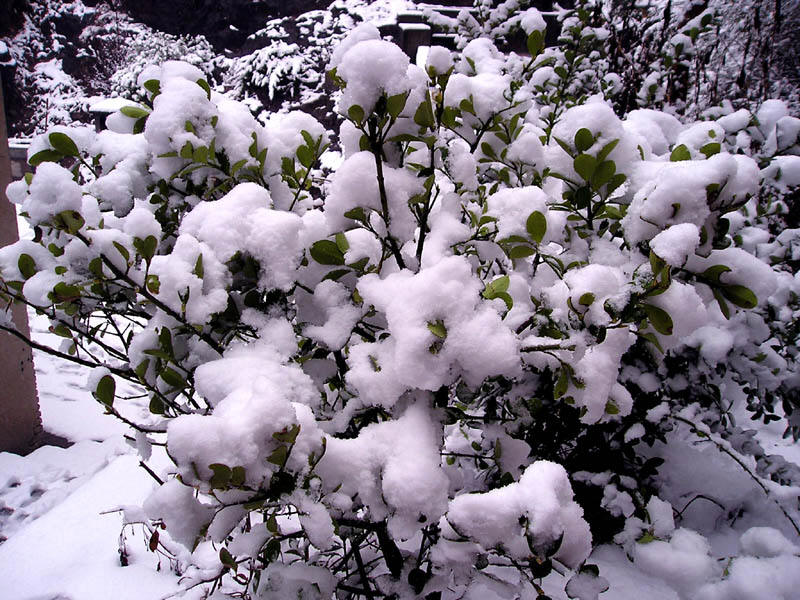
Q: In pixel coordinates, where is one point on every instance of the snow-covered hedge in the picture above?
(443, 360)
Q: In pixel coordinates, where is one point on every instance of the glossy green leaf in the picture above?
(105, 390)
(521, 252)
(585, 165)
(740, 295)
(26, 266)
(153, 86)
(711, 149)
(680, 153)
(583, 140)
(62, 143)
(535, 43)
(396, 104)
(536, 226)
(356, 114)
(305, 156)
(204, 84)
(238, 476)
(44, 156)
(326, 252)
(586, 299)
(279, 456)
(659, 319)
(134, 112)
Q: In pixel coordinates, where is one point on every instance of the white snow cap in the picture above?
(542, 499)
(370, 68)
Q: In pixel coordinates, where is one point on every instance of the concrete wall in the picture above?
(20, 421)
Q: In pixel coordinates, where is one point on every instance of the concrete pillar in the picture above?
(20, 420)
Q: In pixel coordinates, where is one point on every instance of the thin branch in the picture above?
(745, 468)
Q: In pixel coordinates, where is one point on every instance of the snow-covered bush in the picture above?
(454, 363)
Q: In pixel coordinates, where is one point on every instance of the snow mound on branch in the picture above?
(243, 221)
(370, 68)
(394, 468)
(471, 340)
(527, 516)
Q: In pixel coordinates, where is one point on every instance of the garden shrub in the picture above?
(446, 360)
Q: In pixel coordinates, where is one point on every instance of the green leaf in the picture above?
(238, 165)
(62, 143)
(146, 247)
(606, 150)
(536, 225)
(72, 220)
(199, 270)
(740, 295)
(157, 406)
(238, 476)
(564, 145)
(138, 126)
(204, 84)
(611, 408)
(616, 181)
(520, 252)
(535, 43)
(221, 475)
(279, 456)
(487, 149)
(605, 171)
(680, 153)
(172, 378)
(153, 86)
(336, 274)
(305, 156)
(341, 242)
(226, 559)
(66, 293)
(200, 154)
(560, 388)
(153, 284)
(141, 369)
(44, 156)
(326, 252)
(586, 299)
(583, 139)
(723, 306)
(498, 289)
(356, 113)
(396, 104)
(714, 272)
(498, 285)
(438, 329)
(711, 149)
(187, 151)
(505, 297)
(585, 165)
(287, 436)
(134, 112)
(26, 266)
(650, 337)
(122, 250)
(659, 318)
(105, 390)
(424, 115)
(466, 105)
